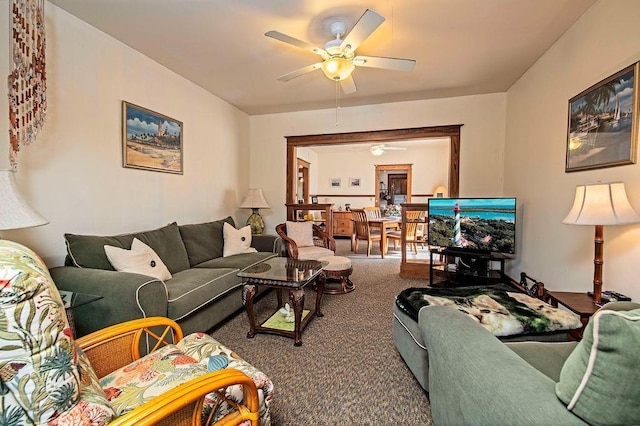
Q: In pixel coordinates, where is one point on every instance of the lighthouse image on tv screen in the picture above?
(479, 224)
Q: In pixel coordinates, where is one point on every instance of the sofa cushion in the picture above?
(40, 365)
(548, 358)
(204, 241)
(237, 261)
(599, 380)
(87, 251)
(236, 241)
(193, 288)
(301, 233)
(141, 259)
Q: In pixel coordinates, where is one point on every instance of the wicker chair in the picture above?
(324, 244)
(119, 345)
(48, 377)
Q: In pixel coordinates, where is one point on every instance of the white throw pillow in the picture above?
(141, 259)
(236, 241)
(301, 233)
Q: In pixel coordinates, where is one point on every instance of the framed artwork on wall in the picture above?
(335, 182)
(603, 123)
(150, 140)
(355, 182)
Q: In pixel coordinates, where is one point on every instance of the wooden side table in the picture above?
(579, 303)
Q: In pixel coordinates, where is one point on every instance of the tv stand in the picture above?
(455, 267)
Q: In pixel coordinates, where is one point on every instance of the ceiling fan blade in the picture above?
(395, 64)
(296, 42)
(299, 72)
(367, 24)
(394, 148)
(348, 85)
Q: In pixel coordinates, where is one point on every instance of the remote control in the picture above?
(615, 296)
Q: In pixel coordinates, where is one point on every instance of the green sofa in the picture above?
(204, 289)
(476, 379)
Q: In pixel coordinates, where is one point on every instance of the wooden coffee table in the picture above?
(282, 273)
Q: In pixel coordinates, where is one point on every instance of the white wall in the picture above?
(482, 140)
(602, 42)
(430, 167)
(73, 173)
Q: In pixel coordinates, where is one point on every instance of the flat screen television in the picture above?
(485, 225)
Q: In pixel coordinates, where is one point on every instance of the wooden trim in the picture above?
(363, 195)
(346, 195)
(450, 131)
(375, 136)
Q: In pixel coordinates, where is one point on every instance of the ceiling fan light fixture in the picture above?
(376, 150)
(337, 69)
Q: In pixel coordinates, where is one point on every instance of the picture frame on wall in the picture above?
(354, 182)
(603, 123)
(150, 140)
(335, 182)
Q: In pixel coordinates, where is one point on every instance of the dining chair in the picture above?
(414, 219)
(362, 231)
(373, 213)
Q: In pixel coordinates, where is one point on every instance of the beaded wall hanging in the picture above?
(27, 78)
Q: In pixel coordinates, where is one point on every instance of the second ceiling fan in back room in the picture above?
(339, 57)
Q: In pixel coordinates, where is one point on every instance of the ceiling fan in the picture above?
(338, 55)
(381, 148)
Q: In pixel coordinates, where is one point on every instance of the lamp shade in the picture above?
(440, 191)
(337, 68)
(15, 213)
(254, 200)
(376, 150)
(601, 204)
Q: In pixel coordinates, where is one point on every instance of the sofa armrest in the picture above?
(474, 378)
(267, 243)
(125, 296)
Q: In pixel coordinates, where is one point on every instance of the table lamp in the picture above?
(600, 204)
(15, 213)
(255, 201)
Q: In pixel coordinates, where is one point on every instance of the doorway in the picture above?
(376, 136)
(396, 188)
(302, 189)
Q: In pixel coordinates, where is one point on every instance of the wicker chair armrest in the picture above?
(328, 241)
(119, 345)
(183, 404)
(292, 247)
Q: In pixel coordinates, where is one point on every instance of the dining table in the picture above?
(385, 224)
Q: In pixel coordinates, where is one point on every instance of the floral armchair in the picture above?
(47, 378)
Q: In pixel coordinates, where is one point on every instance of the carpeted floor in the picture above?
(347, 371)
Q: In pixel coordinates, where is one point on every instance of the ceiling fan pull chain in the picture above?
(337, 100)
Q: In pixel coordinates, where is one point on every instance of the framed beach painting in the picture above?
(603, 123)
(354, 182)
(150, 140)
(335, 182)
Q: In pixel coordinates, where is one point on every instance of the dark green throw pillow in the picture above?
(600, 380)
(204, 241)
(87, 251)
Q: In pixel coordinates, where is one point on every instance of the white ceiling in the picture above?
(462, 47)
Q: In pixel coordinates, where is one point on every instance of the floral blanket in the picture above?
(499, 308)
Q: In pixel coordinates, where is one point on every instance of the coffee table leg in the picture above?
(248, 293)
(297, 300)
(321, 280)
